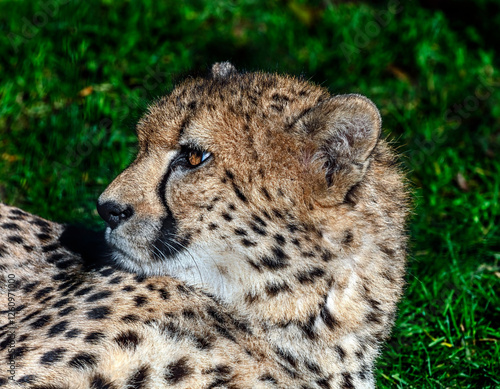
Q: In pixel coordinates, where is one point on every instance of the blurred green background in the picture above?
(76, 75)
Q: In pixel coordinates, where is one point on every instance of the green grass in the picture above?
(433, 73)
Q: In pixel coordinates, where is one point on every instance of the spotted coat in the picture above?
(258, 240)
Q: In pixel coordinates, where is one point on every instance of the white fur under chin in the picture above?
(194, 265)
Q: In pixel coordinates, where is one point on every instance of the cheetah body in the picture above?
(275, 260)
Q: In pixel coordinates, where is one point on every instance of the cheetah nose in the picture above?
(114, 213)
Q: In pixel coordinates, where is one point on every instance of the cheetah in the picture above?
(258, 240)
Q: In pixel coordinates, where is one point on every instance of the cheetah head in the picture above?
(245, 183)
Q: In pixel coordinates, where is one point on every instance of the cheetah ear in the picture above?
(222, 70)
(345, 130)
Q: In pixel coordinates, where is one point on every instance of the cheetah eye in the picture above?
(196, 157)
(191, 157)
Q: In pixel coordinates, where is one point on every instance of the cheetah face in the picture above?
(236, 176)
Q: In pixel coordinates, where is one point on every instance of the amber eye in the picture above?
(196, 157)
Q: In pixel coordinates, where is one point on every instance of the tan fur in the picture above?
(294, 224)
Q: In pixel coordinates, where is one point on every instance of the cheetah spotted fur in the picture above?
(257, 241)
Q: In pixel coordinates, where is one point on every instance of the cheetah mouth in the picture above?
(121, 248)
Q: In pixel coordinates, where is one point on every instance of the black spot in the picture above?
(351, 195)
(107, 272)
(130, 318)
(229, 174)
(386, 250)
(53, 356)
(99, 296)
(40, 322)
(248, 243)
(212, 226)
(43, 237)
(23, 337)
(266, 194)
(255, 265)
(50, 247)
(94, 337)
(214, 313)
(203, 343)
(140, 300)
(61, 277)
(139, 279)
(313, 367)
(340, 352)
(259, 220)
(280, 239)
(15, 239)
(296, 242)
(66, 311)
(240, 232)
(225, 333)
(41, 223)
(73, 333)
(177, 371)
(268, 378)
(11, 226)
(374, 317)
(364, 373)
(227, 216)
(348, 238)
(128, 288)
(273, 288)
(308, 277)
(188, 314)
(128, 339)
(98, 382)
(65, 264)
(308, 327)
(27, 379)
(327, 256)
(164, 294)
(258, 229)
(278, 260)
(18, 212)
(323, 383)
(83, 360)
(84, 291)
(31, 315)
(115, 280)
(99, 313)
(28, 288)
(240, 194)
(7, 341)
(71, 286)
(57, 328)
(183, 289)
(17, 353)
(328, 319)
(42, 292)
(139, 379)
(347, 381)
(287, 356)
